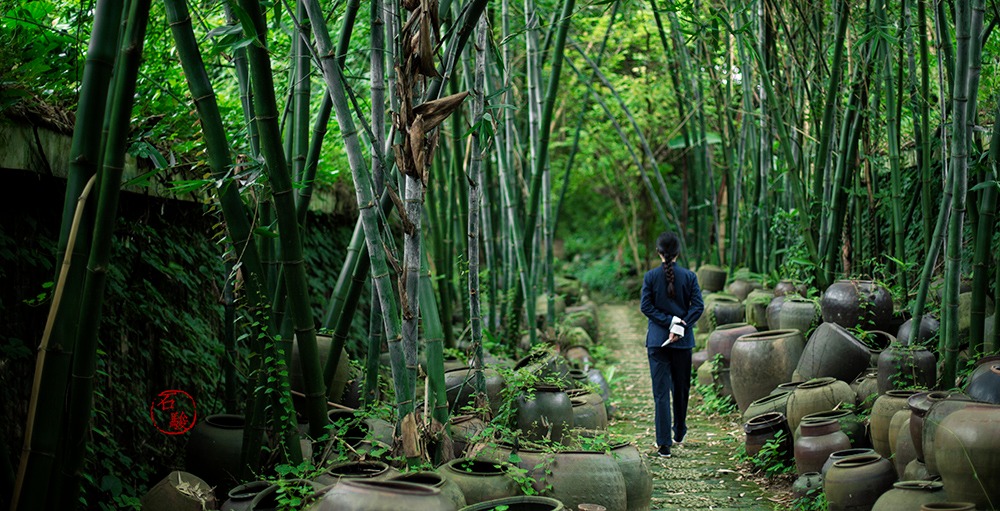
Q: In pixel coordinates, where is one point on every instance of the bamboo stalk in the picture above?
(85, 358)
(987, 196)
(363, 187)
(475, 185)
(53, 360)
(293, 266)
(960, 161)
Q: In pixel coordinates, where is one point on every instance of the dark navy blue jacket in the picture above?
(660, 308)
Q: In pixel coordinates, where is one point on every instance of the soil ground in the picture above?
(703, 473)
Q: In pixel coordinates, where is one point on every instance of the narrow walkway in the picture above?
(700, 474)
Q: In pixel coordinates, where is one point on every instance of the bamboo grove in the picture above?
(799, 139)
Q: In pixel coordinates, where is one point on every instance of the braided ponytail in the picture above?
(668, 271)
(668, 245)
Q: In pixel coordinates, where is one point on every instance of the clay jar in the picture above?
(799, 314)
(928, 329)
(910, 495)
(773, 309)
(340, 378)
(241, 496)
(720, 309)
(855, 483)
(786, 287)
(577, 477)
(741, 288)
(903, 453)
(213, 450)
(711, 278)
(807, 485)
(984, 382)
(769, 403)
(817, 395)
(902, 367)
(589, 413)
(835, 352)
(764, 427)
(463, 428)
(761, 361)
(867, 391)
(966, 445)
(919, 405)
(942, 405)
(356, 470)
(435, 480)
(721, 340)
(638, 478)
(480, 480)
(546, 412)
(851, 303)
(458, 384)
(840, 455)
(384, 496)
(167, 496)
(755, 306)
(817, 441)
(885, 407)
(849, 424)
(519, 503)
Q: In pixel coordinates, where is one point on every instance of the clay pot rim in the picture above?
(816, 383)
(415, 477)
(995, 368)
(412, 489)
(769, 335)
(765, 418)
(730, 326)
(771, 397)
(227, 421)
(519, 499)
(826, 415)
(947, 506)
(919, 485)
(858, 461)
(721, 298)
(853, 451)
(248, 490)
(818, 424)
(919, 402)
(495, 467)
(381, 467)
(907, 393)
(578, 401)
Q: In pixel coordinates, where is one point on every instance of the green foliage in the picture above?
(774, 459)
(714, 403)
(813, 500)
(605, 276)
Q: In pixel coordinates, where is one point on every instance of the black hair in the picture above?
(669, 246)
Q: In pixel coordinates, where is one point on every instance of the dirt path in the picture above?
(699, 475)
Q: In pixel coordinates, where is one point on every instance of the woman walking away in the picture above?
(671, 299)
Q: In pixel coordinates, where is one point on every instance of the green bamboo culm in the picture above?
(475, 185)
(85, 358)
(433, 335)
(988, 205)
(293, 265)
(984, 227)
(234, 212)
(361, 176)
(959, 169)
(41, 437)
(895, 173)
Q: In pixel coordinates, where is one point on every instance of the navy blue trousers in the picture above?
(670, 369)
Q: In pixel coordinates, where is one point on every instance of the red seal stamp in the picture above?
(173, 412)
